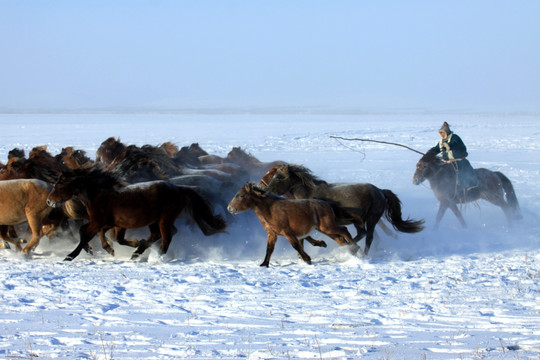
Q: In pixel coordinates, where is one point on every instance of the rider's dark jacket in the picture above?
(453, 150)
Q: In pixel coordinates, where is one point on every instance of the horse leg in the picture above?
(165, 227)
(386, 229)
(35, 227)
(456, 212)
(341, 235)
(270, 244)
(105, 242)
(120, 238)
(370, 225)
(9, 235)
(86, 234)
(297, 245)
(314, 242)
(443, 205)
(155, 235)
(360, 232)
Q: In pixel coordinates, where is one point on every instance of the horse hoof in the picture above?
(264, 265)
(68, 258)
(323, 244)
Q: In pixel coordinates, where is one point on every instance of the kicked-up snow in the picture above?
(451, 293)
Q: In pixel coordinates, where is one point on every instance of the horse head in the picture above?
(245, 198)
(109, 150)
(265, 180)
(426, 167)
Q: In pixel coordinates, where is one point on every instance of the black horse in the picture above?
(442, 177)
(359, 204)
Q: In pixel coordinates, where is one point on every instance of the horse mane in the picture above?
(170, 148)
(303, 173)
(93, 177)
(16, 153)
(432, 158)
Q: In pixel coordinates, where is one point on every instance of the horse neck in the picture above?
(302, 191)
(262, 205)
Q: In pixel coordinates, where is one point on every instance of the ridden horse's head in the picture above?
(426, 167)
(245, 198)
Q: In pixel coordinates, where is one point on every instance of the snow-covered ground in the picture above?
(448, 294)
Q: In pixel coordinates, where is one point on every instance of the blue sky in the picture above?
(363, 55)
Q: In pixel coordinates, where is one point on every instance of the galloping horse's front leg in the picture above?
(443, 205)
(270, 244)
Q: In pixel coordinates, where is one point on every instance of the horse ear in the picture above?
(249, 186)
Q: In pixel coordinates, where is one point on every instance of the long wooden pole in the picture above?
(377, 141)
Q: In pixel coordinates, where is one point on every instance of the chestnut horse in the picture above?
(111, 204)
(442, 177)
(362, 205)
(292, 218)
(24, 200)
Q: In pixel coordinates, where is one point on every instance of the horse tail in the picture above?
(393, 214)
(202, 212)
(511, 197)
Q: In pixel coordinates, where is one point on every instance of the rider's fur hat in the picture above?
(445, 128)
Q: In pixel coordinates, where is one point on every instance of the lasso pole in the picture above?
(377, 141)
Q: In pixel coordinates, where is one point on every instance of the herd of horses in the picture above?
(130, 187)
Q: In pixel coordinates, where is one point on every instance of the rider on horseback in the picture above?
(454, 152)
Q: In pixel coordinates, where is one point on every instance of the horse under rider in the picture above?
(454, 152)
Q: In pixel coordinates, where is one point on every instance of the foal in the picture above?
(293, 218)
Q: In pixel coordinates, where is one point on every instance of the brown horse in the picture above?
(110, 204)
(265, 180)
(442, 177)
(24, 200)
(292, 218)
(362, 205)
(256, 168)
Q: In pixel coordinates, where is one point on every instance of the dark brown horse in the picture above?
(110, 204)
(265, 180)
(362, 205)
(292, 218)
(442, 177)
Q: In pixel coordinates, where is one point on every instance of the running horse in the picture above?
(110, 204)
(293, 218)
(442, 178)
(254, 166)
(24, 200)
(361, 205)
